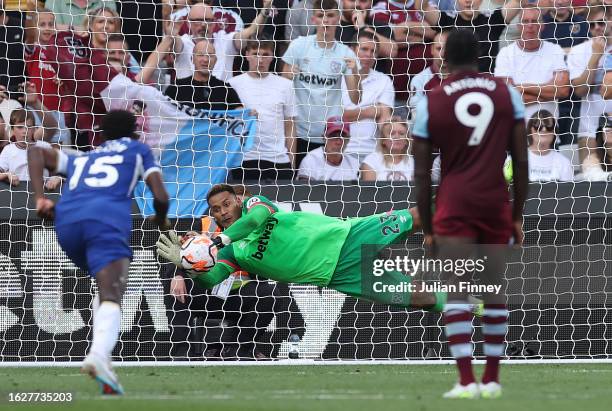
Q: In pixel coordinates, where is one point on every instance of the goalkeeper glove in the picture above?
(169, 247)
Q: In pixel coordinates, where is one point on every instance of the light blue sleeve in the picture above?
(420, 129)
(607, 66)
(294, 51)
(517, 103)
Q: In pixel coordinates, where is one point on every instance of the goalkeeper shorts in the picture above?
(354, 274)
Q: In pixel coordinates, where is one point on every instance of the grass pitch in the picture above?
(320, 387)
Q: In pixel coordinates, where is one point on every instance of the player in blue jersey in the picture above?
(93, 222)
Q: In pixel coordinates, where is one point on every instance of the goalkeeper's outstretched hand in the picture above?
(169, 247)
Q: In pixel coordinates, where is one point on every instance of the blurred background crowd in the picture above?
(334, 84)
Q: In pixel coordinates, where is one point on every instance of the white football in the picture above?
(197, 255)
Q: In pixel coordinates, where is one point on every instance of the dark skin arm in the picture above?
(422, 176)
(39, 159)
(160, 202)
(520, 169)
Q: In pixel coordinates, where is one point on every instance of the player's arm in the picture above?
(520, 170)
(216, 275)
(39, 159)
(422, 167)
(160, 199)
(255, 27)
(245, 225)
(422, 177)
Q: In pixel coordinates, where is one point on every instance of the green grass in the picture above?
(346, 387)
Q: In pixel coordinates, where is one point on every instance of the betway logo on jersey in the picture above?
(470, 82)
(264, 238)
(315, 79)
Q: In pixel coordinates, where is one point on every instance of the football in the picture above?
(197, 255)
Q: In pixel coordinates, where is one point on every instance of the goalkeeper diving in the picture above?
(306, 248)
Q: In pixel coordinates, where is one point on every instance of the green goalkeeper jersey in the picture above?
(289, 247)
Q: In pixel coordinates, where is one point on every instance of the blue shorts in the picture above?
(92, 245)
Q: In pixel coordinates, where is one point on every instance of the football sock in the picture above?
(458, 319)
(494, 328)
(106, 329)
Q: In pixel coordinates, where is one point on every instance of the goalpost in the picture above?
(560, 284)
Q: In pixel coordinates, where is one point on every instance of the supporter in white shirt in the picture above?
(586, 70)
(545, 163)
(14, 156)
(272, 156)
(377, 99)
(227, 45)
(392, 160)
(329, 163)
(535, 67)
(317, 65)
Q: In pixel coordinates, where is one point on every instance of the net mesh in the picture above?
(246, 92)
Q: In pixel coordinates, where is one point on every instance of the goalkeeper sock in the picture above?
(106, 329)
(494, 328)
(458, 319)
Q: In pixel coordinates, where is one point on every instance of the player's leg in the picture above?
(495, 316)
(458, 315)
(111, 281)
(357, 274)
(108, 259)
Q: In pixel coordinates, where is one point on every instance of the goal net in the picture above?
(240, 92)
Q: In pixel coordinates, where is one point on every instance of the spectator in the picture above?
(249, 306)
(72, 13)
(42, 78)
(411, 34)
(246, 10)
(431, 76)
(316, 65)
(392, 160)
(487, 26)
(203, 90)
(563, 27)
(14, 157)
(376, 101)
(535, 67)
(273, 153)
(545, 163)
(356, 17)
(586, 70)
(200, 20)
(11, 51)
(328, 163)
(102, 23)
(119, 56)
(298, 21)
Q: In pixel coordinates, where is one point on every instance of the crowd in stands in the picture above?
(333, 83)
